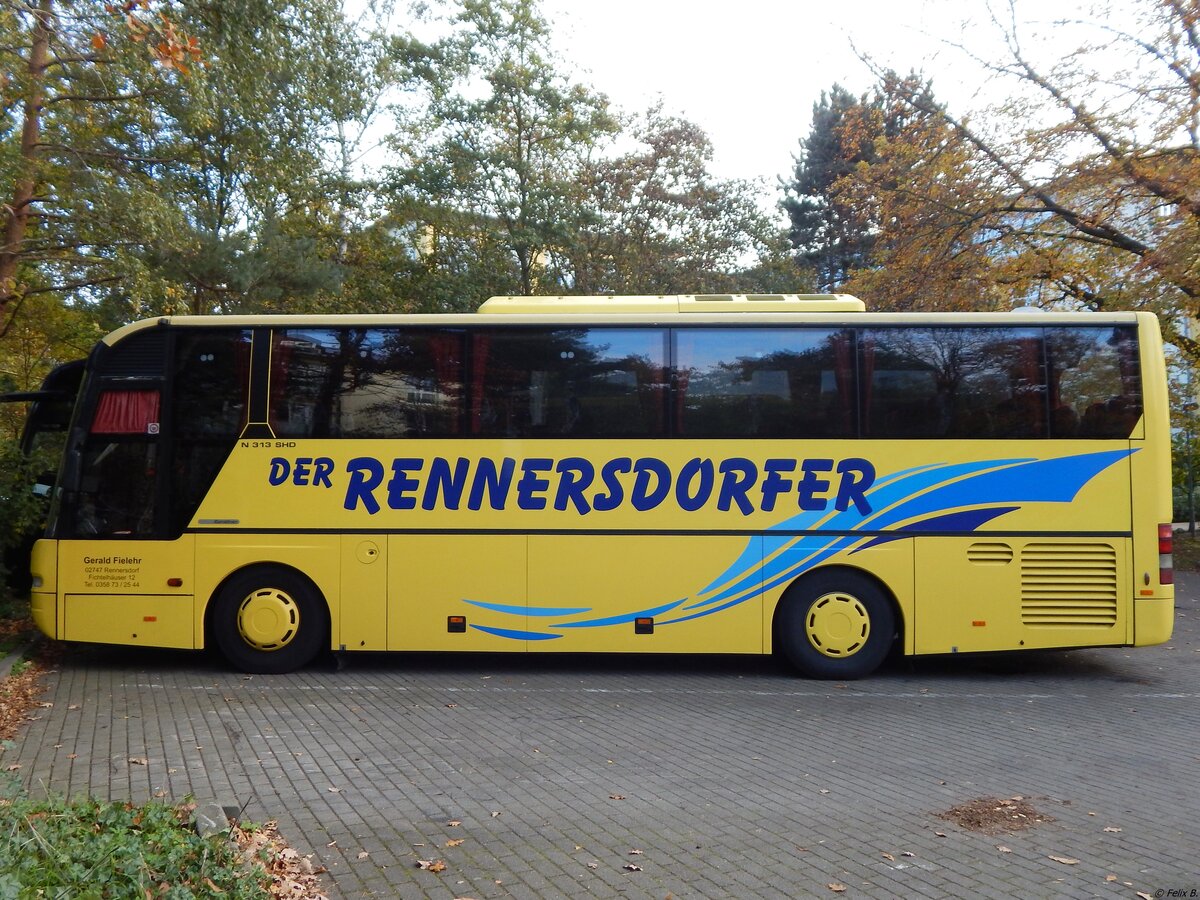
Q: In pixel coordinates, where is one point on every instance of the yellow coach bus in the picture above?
(690, 474)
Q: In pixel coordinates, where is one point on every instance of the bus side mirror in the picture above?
(44, 485)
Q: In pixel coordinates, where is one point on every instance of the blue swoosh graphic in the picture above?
(517, 635)
(518, 610)
(920, 499)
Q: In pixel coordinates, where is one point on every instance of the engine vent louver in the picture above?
(1069, 585)
(990, 554)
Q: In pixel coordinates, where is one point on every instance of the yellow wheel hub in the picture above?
(268, 619)
(837, 625)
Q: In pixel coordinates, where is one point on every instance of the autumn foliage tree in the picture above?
(76, 145)
(1081, 190)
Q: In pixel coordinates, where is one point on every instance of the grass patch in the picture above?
(99, 849)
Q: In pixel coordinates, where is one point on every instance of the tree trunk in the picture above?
(24, 191)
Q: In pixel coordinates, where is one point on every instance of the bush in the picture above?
(22, 517)
(99, 849)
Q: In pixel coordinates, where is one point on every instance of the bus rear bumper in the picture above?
(1153, 620)
(44, 608)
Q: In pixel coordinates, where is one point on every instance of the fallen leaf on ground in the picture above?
(139, 760)
(616, 796)
(632, 868)
(1111, 830)
(836, 886)
(454, 823)
(635, 852)
(334, 790)
(454, 842)
(363, 854)
(431, 865)
(1110, 877)
(1003, 849)
(1065, 860)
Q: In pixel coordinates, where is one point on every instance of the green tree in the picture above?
(503, 129)
(251, 171)
(654, 220)
(830, 238)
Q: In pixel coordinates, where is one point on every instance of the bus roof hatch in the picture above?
(679, 303)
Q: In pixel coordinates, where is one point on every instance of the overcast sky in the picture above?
(748, 72)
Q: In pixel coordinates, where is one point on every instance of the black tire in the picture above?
(269, 620)
(837, 624)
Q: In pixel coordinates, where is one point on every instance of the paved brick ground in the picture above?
(733, 778)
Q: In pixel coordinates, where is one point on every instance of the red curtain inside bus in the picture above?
(126, 412)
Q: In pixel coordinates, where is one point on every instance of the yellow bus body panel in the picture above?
(121, 592)
(604, 583)
(396, 551)
(146, 620)
(43, 599)
(434, 576)
(1150, 486)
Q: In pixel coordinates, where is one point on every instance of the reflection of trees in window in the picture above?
(584, 382)
(765, 382)
(1095, 380)
(359, 383)
(953, 382)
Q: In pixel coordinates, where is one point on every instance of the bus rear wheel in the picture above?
(268, 620)
(836, 624)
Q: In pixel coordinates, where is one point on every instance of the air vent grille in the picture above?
(990, 554)
(1069, 585)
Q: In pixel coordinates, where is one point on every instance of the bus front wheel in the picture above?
(268, 620)
(836, 624)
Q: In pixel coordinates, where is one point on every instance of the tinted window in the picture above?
(601, 382)
(764, 382)
(953, 382)
(117, 488)
(211, 375)
(1095, 381)
(366, 383)
(208, 413)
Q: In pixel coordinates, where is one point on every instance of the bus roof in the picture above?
(615, 311)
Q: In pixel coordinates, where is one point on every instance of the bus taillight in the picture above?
(1166, 564)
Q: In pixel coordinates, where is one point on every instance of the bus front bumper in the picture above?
(44, 608)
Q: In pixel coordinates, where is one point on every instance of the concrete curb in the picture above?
(213, 818)
(21, 652)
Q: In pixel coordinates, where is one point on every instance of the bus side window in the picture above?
(763, 382)
(366, 382)
(1094, 372)
(970, 382)
(582, 382)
